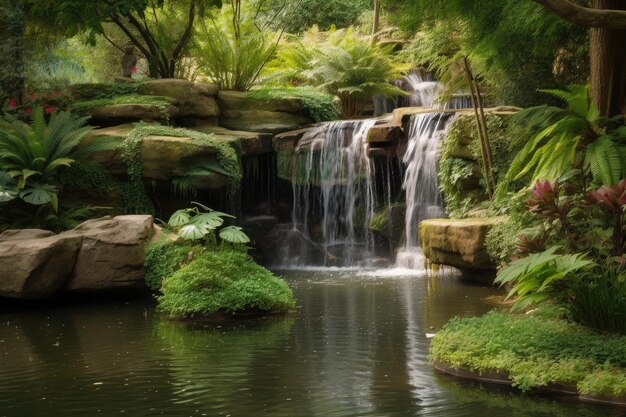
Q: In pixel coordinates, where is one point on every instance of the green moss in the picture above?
(535, 350)
(460, 174)
(163, 258)
(161, 102)
(320, 106)
(136, 200)
(223, 280)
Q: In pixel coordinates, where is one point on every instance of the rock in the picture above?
(251, 143)
(195, 100)
(242, 112)
(390, 224)
(387, 133)
(113, 114)
(165, 158)
(33, 266)
(23, 234)
(288, 141)
(237, 101)
(265, 121)
(111, 255)
(458, 243)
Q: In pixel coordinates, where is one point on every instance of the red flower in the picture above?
(49, 109)
(12, 103)
(33, 96)
(133, 70)
(28, 111)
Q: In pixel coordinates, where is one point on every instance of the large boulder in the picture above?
(239, 111)
(34, 263)
(195, 100)
(111, 256)
(458, 243)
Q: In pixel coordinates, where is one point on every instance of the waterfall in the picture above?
(333, 197)
(421, 184)
(423, 92)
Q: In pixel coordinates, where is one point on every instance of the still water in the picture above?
(356, 346)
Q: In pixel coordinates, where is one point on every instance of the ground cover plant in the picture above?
(535, 350)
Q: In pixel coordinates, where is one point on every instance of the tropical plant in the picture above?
(350, 66)
(200, 222)
(33, 155)
(232, 49)
(583, 268)
(572, 138)
(536, 278)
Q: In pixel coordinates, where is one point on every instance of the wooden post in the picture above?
(375, 26)
(479, 114)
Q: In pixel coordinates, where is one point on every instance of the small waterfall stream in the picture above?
(333, 197)
(421, 184)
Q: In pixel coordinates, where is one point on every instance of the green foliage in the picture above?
(461, 179)
(136, 200)
(223, 280)
(534, 351)
(232, 50)
(515, 48)
(320, 106)
(537, 277)
(12, 63)
(297, 17)
(569, 138)
(162, 103)
(33, 155)
(163, 258)
(342, 63)
(200, 222)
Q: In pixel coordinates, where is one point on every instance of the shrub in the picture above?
(232, 51)
(342, 63)
(223, 280)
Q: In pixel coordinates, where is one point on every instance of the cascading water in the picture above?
(421, 185)
(333, 197)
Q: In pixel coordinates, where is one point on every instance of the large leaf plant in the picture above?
(573, 138)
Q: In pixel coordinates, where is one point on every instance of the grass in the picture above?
(219, 280)
(535, 350)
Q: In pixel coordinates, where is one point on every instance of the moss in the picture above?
(535, 350)
(163, 258)
(319, 106)
(223, 280)
(136, 200)
(161, 102)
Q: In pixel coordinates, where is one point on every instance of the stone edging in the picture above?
(498, 377)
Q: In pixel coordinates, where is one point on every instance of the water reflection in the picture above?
(356, 346)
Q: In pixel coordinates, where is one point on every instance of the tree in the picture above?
(12, 26)
(140, 20)
(606, 21)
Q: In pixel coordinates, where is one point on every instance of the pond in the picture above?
(356, 346)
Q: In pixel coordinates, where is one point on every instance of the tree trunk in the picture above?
(608, 64)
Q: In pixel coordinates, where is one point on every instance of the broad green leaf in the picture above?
(191, 232)
(179, 218)
(234, 234)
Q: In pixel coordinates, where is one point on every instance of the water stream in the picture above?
(333, 197)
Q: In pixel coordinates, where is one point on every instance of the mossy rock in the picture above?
(225, 280)
(236, 101)
(458, 243)
(389, 224)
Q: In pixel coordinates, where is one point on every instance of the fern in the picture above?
(568, 138)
